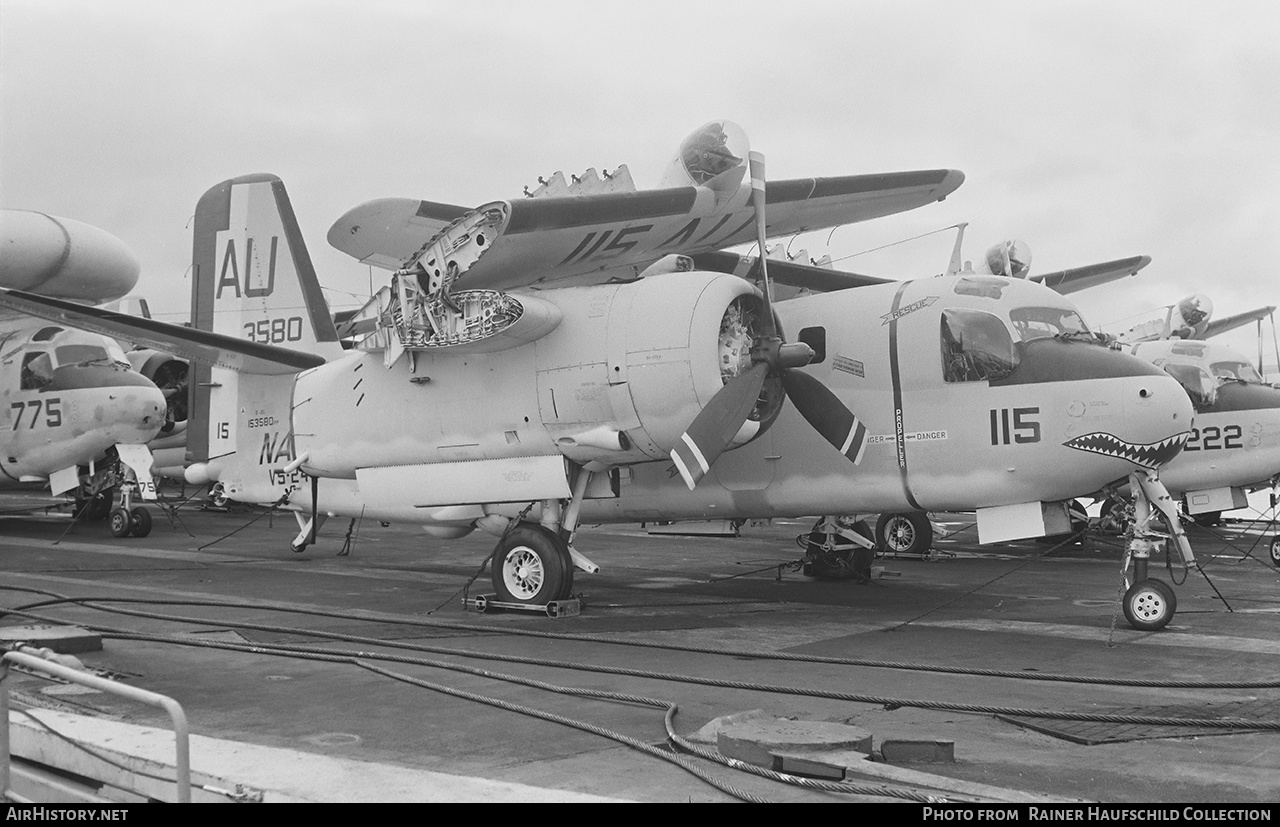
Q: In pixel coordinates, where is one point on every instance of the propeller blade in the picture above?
(826, 413)
(756, 162)
(717, 424)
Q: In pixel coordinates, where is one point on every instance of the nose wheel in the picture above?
(1149, 604)
(128, 519)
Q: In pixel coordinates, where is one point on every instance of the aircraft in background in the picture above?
(479, 397)
(75, 408)
(1234, 447)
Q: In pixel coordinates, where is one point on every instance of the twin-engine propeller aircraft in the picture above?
(73, 403)
(525, 411)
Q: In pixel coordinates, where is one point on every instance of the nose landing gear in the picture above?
(1150, 603)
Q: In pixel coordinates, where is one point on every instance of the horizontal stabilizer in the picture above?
(217, 349)
(817, 279)
(1091, 275)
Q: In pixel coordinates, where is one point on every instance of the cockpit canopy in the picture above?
(55, 347)
(1201, 368)
(977, 345)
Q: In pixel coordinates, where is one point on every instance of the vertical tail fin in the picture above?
(252, 278)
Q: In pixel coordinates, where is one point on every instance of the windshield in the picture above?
(976, 346)
(80, 354)
(1241, 371)
(1042, 322)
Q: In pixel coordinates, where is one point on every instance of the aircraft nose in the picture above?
(134, 408)
(1124, 407)
(1153, 424)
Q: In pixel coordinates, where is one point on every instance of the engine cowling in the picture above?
(669, 343)
(169, 373)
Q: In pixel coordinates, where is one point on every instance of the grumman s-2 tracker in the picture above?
(481, 394)
(74, 407)
(1234, 447)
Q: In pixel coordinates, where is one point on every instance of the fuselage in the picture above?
(976, 392)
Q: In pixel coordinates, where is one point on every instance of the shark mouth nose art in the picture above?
(1149, 455)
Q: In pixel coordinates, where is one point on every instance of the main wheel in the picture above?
(1149, 605)
(1274, 548)
(532, 565)
(139, 521)
(119, 522)
(838, 563)
(908, 533)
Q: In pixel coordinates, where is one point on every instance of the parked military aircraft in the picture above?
(73, 402)
(477, 399)
(1234, 447)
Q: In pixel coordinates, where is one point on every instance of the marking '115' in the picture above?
(1023, 430)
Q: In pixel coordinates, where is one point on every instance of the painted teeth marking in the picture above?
(1149, 455)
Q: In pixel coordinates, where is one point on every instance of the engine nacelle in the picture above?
(669, 343)
(169, 373)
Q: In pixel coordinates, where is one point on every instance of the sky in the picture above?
(1089, 130)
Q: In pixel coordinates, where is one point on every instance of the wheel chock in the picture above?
(571, 607)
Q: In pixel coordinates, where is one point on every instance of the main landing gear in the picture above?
(837, 549)
(533, 563)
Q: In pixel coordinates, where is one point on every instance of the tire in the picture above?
(838, 564)
(908, 533)
(1274, 549)
(1149, 605)
(532, 565)
(119, 522)
(139, 521)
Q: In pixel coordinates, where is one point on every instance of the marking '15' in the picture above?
(1015, 422)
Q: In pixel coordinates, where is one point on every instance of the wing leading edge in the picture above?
(214, 349)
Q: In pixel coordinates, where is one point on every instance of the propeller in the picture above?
(716, 425)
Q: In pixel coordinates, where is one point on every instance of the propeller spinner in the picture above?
(716, 425)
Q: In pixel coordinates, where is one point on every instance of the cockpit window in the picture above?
(976, 346)
(37, 371)
(1200, 386)
(81, 354)
(1242, 371)
(1044, 322)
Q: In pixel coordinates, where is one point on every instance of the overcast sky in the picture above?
(1089, 130)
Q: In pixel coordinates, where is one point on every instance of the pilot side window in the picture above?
(37, 371)
(1200, 386)
(976, 346)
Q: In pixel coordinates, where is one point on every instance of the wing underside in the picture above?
(1091, 275)
(214, 349)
